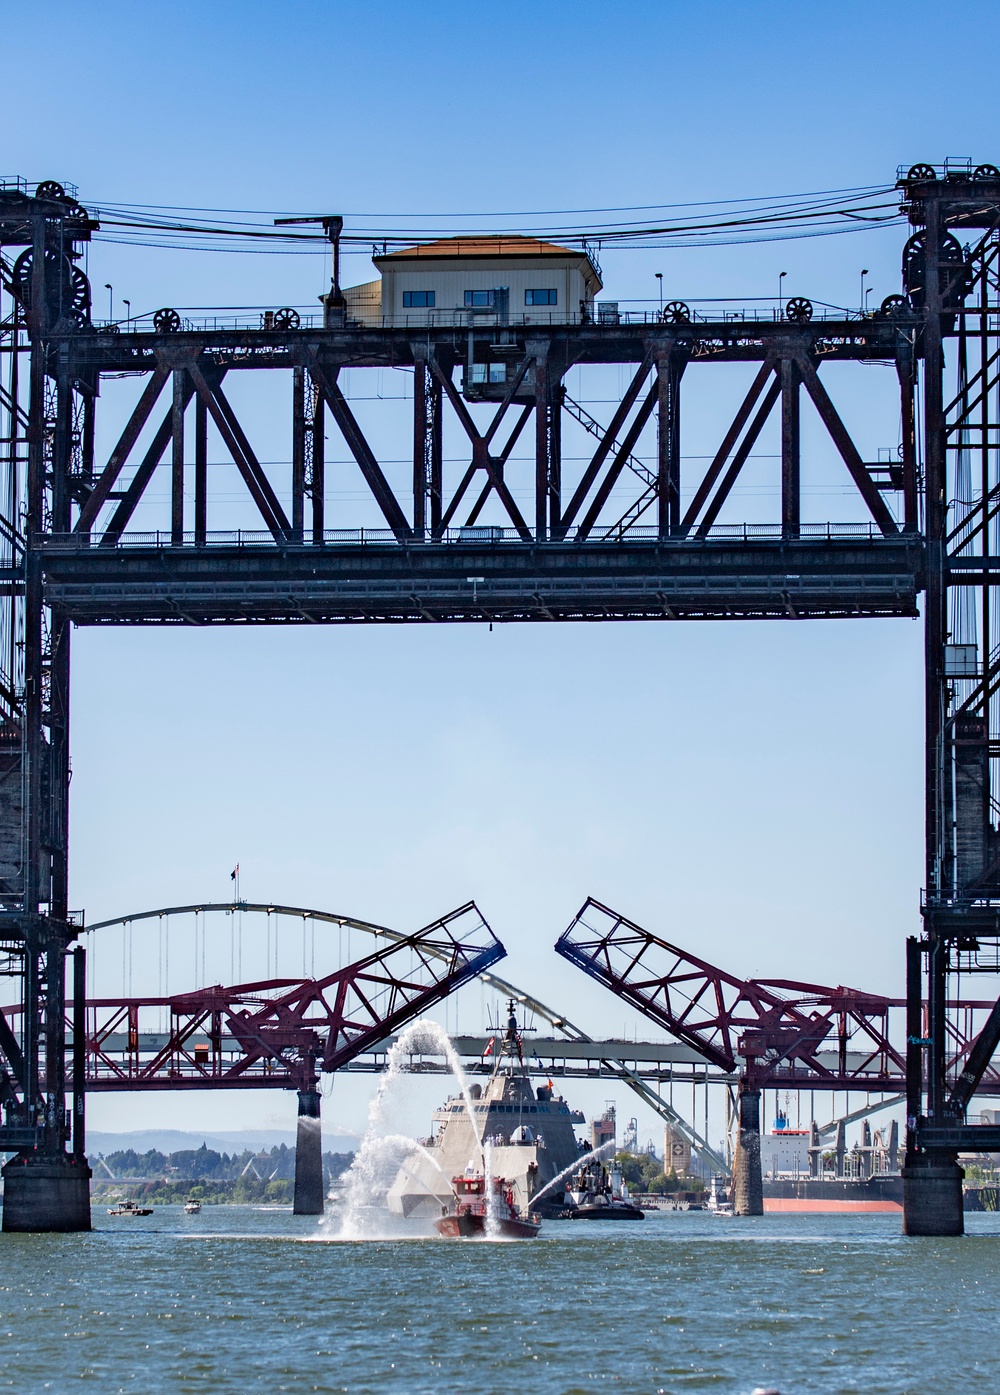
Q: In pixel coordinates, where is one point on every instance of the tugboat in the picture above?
(129, 1208)
(475, 1215)
(718, 1203)
(598, 1193)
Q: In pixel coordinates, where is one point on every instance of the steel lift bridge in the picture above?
(67, 557)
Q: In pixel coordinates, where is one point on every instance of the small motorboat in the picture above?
(480, 1214)
(598, 1193)
(718, 1203)
(192, 1207)
(129, 1208)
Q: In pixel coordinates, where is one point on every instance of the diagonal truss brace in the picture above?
(327, 383)
(482, 457)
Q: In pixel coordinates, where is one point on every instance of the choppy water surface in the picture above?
(237, 1300)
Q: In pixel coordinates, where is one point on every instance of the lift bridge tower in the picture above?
(951, 271)
(67, 557)
(48, 423)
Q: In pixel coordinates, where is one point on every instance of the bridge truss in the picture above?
(778, 1034)
(186, 1041)
(458, 545)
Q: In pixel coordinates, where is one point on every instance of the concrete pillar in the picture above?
(840, 1147)
(748, 1185)
(932, 1196)
(46, 1193)
(308, 1157)
(893, 1145)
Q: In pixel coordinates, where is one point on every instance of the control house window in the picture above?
(418, 300)
(489, 373)
(543, 297)
(480, 300)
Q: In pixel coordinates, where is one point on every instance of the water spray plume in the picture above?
(380, 1152)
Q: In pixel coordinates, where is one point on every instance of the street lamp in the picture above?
(781, 281)
(864, 273)
(111, 299)
(128, 312)
(659, 282)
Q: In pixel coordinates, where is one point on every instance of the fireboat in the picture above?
(478, 1213)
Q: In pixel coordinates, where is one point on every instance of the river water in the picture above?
(239, 1299)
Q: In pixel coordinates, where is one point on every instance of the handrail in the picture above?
(489, 536)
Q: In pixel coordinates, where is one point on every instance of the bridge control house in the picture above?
(508, 280)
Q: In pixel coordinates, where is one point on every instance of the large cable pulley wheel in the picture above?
(676, 313)
(286, 319)
(166, 321)
(51, 191)
(955, 276)
(799, 310)
(894, 305)
(986, 172)
(921, 172)
(67, 290)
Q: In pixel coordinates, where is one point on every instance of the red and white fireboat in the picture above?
(475, 1215)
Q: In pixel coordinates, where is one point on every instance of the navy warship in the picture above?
(529, 1132)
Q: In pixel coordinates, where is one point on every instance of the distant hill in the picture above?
(173, 1140)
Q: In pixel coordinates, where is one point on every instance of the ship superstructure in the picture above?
(527, 1130)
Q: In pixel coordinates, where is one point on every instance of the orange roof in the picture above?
(502, 245)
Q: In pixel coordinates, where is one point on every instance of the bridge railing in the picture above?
(456, 537)
(608, 315)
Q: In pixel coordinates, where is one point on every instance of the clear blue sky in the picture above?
(751, 791)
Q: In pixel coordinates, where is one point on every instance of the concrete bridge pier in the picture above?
(748, 1184)
(932, 1195)
(309, 1190)
(44, 1192)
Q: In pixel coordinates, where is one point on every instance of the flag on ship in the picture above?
(489, 1047)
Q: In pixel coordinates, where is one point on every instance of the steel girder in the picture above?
(570, 560)
(536, 360)
(368, 576)
(779, 1033)
(279, 1033)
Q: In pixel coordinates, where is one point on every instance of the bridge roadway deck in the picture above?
(119, 1068)
(737, 338)
(369, 575)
